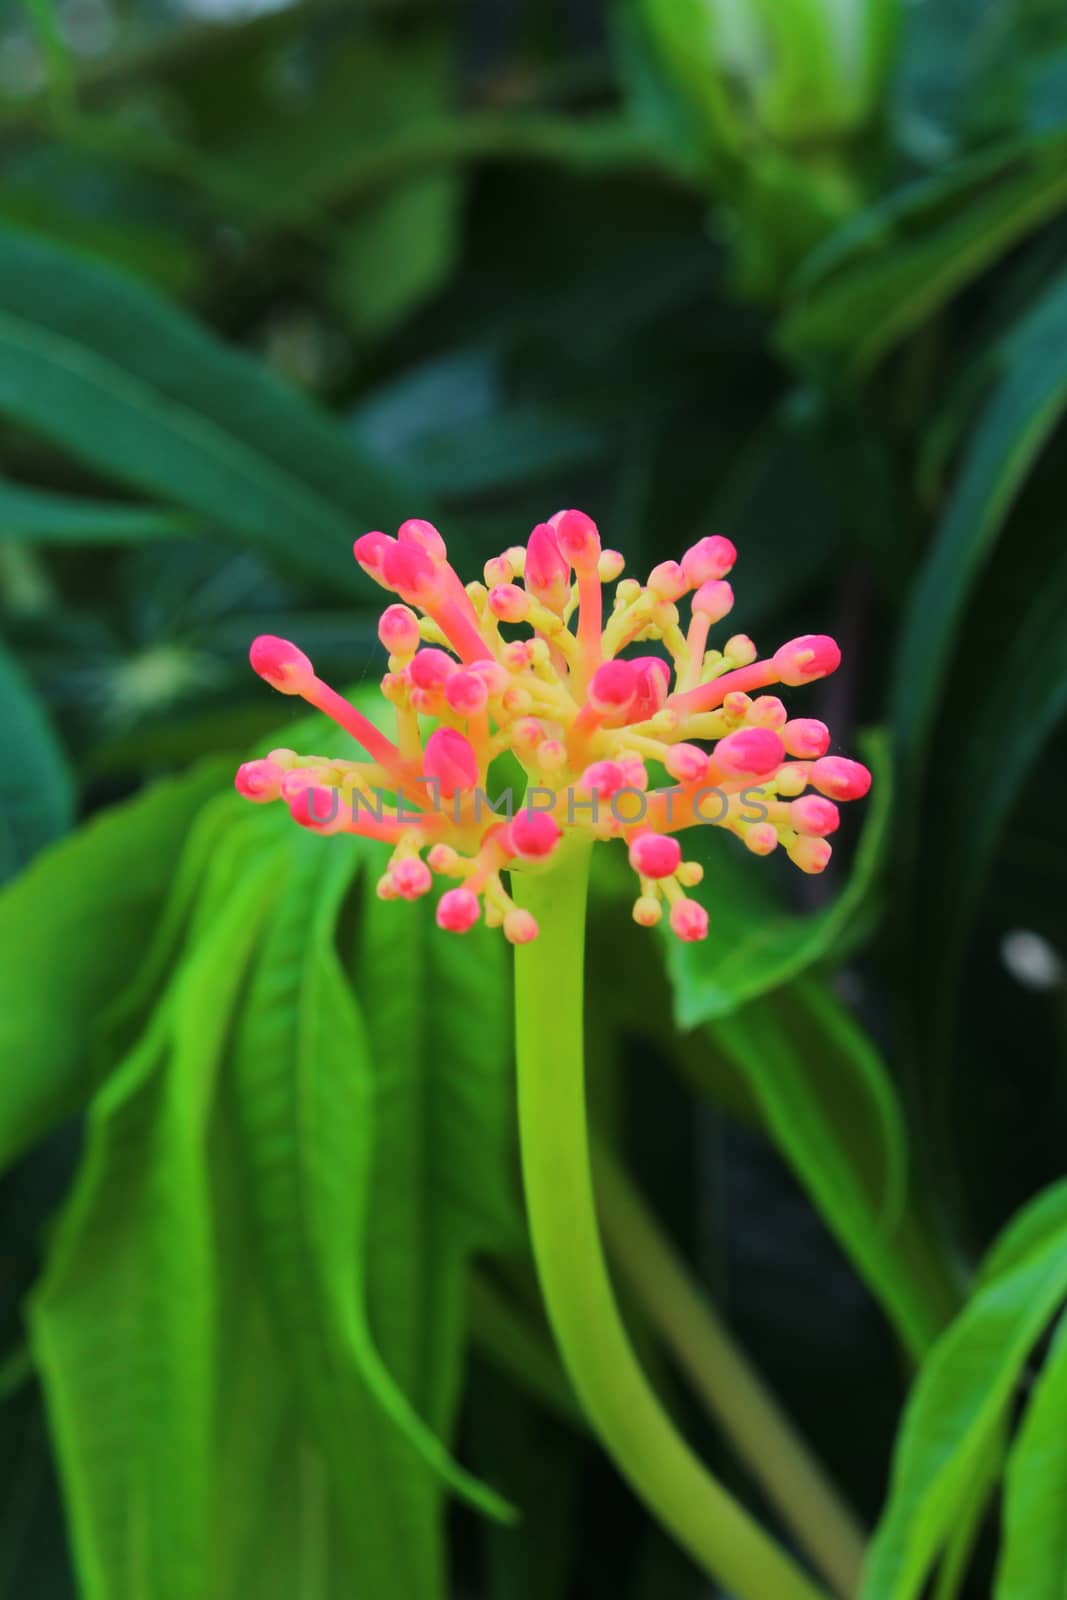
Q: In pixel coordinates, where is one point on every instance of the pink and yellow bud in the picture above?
(655, 855)
(458, 910)
(814, 655)
(398, 630)
(450, 761)
(281, 664)
(708, 560)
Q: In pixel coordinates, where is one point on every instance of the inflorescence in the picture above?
(584, 721)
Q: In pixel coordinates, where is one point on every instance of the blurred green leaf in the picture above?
(120, 379)
(828, 1103)
(36, 787)
(962, 1399)
(756, 945)
(1033, 1561)
(75, 926)
(41, 517)
(883, 274)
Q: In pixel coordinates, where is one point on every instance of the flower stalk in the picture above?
(717, 1532)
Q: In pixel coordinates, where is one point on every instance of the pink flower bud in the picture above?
(753, 752)
(508, 602)
(604, 778)
(281, 664)
(806, 737)
(410, 572)
(450, 759)
(533, 835)
(466, 693)
(689, 920)
(498, 571)
(653, 685)
(810, 855)
(369, 550)
(493, 675)
(655, 855)
(519, 927)
(547, 570)
(398, 630)
(813, 815)
(813, 655)
(431, 669)
(317, 808)
(614, 687)
(425, 535)
(713, 600)
(259, 780)
(840, 778)
(634, 772)
(578, 539)
(458, 910)
(610, 566)
(767, 711)
(761, 839)
(668, 581)
(686, 762)
(709, 558)
(411, 878)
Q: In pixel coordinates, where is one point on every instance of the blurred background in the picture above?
(272, 274)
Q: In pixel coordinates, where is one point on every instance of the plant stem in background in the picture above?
(762, 1435)
(625, 1413)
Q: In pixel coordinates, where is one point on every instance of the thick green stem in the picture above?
(632, 1425)
(731, 1387)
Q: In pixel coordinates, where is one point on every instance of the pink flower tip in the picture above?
(655, 855)
(520, 927)
(603, 778)
(752, 751)
(806, 737)
(281, 664)
(689, 920)
(813, 655)
(668, 581)
(316, 807)
(813, 815)
(533, 835)
(369, 550)
(761, 838)
(412, 572)
(398, 630)
(259, 780)
(508, 602)
(466, 693)
(578, 539)
(425, 535)
(840, 778)
(614, 686)
(710, 558)
(430, 669)
(449, 759)
(547, 570)
(647, 911)
(686, 762)
(810, 855)
(458, 910)
(411, 878)
(653, 686)
(714, 600)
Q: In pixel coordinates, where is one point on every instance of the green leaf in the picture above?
(43, 518)
(962, 1400)
(1033, 1559)
(1027, 401)
(756, 946)
(36, 789)
(116, 376)
(885, 273)
(828, 1103)
(74, 927)
(398, 253)
(124, 1323)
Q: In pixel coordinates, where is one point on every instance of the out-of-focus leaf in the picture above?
(885, 273)
(119, 378)
(1033, 1560)
(36, 788)
(73, 928)
(756, 945)
(1029, 396)
(124, 1323)
(829, 1105)
(398, 253)
(44, 518)
(962, 1399)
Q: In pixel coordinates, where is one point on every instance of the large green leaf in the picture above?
(41, 517)
(828, 1102)
(74, 927)
(755, 945)
(1033, 1562)
(119, 378)
(36, 788)
(887, 271)
(962, 1400)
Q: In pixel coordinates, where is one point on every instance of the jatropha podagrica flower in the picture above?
(526, 662)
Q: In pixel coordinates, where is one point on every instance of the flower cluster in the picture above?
(526, 662)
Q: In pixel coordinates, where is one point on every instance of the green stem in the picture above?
(735, 1394)
(643, 1442)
